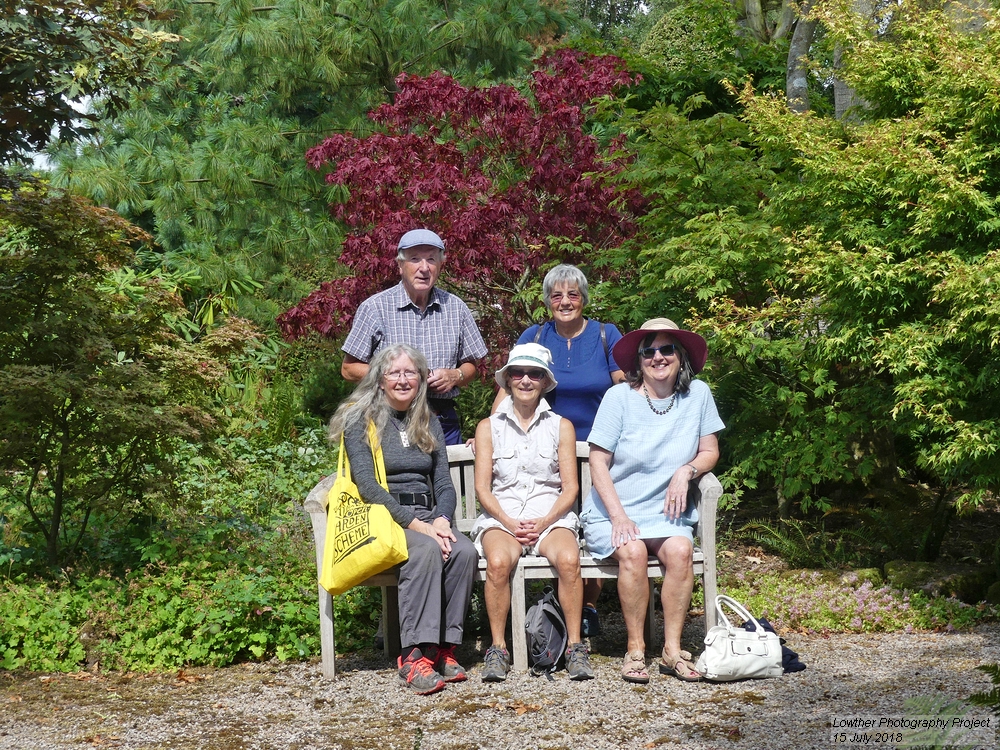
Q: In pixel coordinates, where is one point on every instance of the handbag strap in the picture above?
(344, 463)
(739, 609)
(377, 457)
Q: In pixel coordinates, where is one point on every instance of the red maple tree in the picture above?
(497, 174)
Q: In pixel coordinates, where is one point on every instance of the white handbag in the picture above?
(732, 653)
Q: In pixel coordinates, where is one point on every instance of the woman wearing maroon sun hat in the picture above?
(653, 435)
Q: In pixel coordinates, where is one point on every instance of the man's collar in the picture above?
(401, 298)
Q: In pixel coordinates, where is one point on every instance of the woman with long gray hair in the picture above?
(435, 583)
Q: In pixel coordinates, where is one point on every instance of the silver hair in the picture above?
(564, 273)
(368, 401)
(684, 376)
(401, 253)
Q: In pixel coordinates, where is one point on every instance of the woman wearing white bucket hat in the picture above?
(652, 436)
(581, 359)
(526, 483)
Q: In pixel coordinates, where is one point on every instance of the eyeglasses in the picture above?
(516, 373)
(402, 375)
(559, 296)
(666, 350)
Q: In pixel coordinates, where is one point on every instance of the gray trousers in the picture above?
(434, 593)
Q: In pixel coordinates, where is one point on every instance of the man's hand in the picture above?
(443, 379)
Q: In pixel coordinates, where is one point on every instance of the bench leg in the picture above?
(650, 627)
(518, 610)
(711, 591)
(391, 645)
(326, 639)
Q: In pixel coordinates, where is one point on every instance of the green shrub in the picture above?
(355, 616)
(195, 614)
(162, 617)
(474, 403)
(39, 626)
(810, 600)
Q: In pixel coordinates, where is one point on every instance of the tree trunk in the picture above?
(785, 21)
(845, 98)
(784, 504)
(755, 20)
(940, 522)
(55, 523)
(967, 14)
(796, 71)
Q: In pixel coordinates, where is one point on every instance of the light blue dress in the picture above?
(647, 449)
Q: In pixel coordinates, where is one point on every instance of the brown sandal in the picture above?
(634, 668)
(679, 666)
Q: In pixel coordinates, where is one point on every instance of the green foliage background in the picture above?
(844, 271)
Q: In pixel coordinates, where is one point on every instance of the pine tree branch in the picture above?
(260, 9)
(418, 58)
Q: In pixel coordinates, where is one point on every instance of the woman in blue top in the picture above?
(582, 364)
(580, 348)
(652, 437)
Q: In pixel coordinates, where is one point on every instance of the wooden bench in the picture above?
(705, 494)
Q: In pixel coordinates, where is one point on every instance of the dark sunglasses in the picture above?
(516, 373)
(666, 350)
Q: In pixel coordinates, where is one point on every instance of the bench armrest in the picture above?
(706, 494)
(315, 506)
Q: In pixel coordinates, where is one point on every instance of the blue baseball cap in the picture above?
(416, 237)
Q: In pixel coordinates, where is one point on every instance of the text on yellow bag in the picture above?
(361, 538)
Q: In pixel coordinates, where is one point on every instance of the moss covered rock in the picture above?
(966, 582)
(993, 593)
(822, 575)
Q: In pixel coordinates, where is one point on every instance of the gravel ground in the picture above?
(275, 705)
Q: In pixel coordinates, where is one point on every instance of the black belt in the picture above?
(414, 498)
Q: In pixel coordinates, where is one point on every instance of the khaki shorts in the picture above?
(484, 523)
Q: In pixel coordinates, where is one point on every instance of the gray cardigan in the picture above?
(406, 469)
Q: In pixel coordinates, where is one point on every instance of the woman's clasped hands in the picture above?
(440, 531)
(527, 530)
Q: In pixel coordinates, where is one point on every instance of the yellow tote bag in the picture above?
(361, 538)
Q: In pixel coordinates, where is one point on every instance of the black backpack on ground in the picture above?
(545, 627)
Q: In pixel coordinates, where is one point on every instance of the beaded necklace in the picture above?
(673, 399)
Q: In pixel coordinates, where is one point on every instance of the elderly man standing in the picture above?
(417, 313)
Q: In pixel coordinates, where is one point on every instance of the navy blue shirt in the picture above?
(583, 371)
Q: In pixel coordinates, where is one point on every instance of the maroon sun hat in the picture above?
(628, 345)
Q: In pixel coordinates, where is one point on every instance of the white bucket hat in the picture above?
(528, 355)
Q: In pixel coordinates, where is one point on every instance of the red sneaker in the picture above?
(446, 664)
(417, 672)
